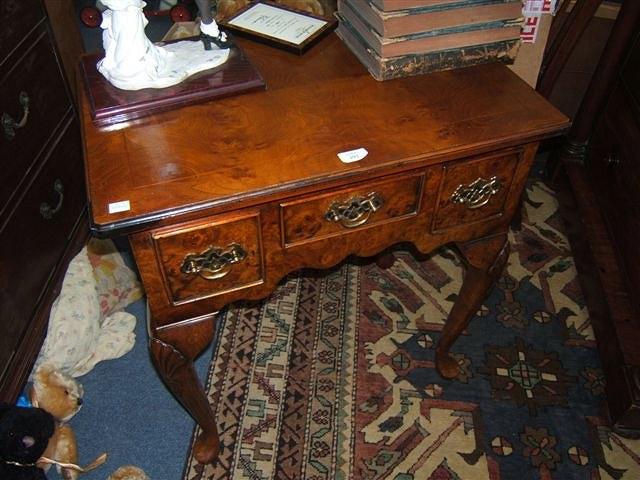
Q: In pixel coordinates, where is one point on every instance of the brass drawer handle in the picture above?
(46, 210)
(355, 211)
(214, 262)
(9, 125)
(478, 193)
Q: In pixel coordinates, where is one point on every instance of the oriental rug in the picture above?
(333, 378)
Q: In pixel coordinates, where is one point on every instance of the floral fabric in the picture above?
(86, 323)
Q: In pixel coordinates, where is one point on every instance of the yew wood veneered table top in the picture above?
(248, 147)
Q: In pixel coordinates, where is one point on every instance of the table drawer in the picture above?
(474, 190)
(35, 236)
(210, 257)
(337, 212)
(18, 19)
(36, 79)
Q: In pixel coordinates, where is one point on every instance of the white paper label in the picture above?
(537, 7)
(532, 10)
(353, 155)
(529, 31)
(119, 206)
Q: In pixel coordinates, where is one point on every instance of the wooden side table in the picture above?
(220, 200)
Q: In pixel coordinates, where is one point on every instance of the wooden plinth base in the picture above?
(109, 105)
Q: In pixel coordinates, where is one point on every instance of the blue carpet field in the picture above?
(129, 414)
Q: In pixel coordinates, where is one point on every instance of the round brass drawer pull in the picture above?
(9, 125)
(355, 211)
(478, 193)
(213, 263)
(46, 210)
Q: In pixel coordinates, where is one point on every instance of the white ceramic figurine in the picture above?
(133, 62)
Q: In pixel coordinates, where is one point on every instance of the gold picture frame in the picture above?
(279, 26)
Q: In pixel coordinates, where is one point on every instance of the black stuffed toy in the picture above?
(24, 435)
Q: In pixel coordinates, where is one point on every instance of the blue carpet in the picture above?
(129, 414)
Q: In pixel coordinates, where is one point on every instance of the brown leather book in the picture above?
(415, 20)
(382, 68)
(391, 5)
(431, 41)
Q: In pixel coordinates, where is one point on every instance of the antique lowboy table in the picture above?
(227, 197)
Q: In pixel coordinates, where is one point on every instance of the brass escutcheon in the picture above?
(355, 211)
(478, 193)
(213, 263)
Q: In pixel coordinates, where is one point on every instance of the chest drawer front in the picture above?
(474, 190)
(622, 159)
(614, 167)
(37, 85)
(210, 257)
(18, 19)
(35, 236)
(335, 213)
(631, 75)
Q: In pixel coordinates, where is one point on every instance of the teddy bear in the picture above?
(61, 396)
(227, 8)
(128, 472)
(24, 436)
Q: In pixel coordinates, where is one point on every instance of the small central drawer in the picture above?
(210, 257)
(337, 212)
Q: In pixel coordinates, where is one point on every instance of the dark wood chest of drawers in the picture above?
(42, 199)
(613, 168)
(600, 200)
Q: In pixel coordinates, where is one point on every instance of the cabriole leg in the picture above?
(173, 358)
(486, 259)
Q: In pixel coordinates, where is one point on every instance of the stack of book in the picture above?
(398, 38)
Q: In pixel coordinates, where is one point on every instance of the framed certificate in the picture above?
(279, 26)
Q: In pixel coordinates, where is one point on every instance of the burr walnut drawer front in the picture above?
(334, 213)
(33, 103)
(475, 190)
(210, 257)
